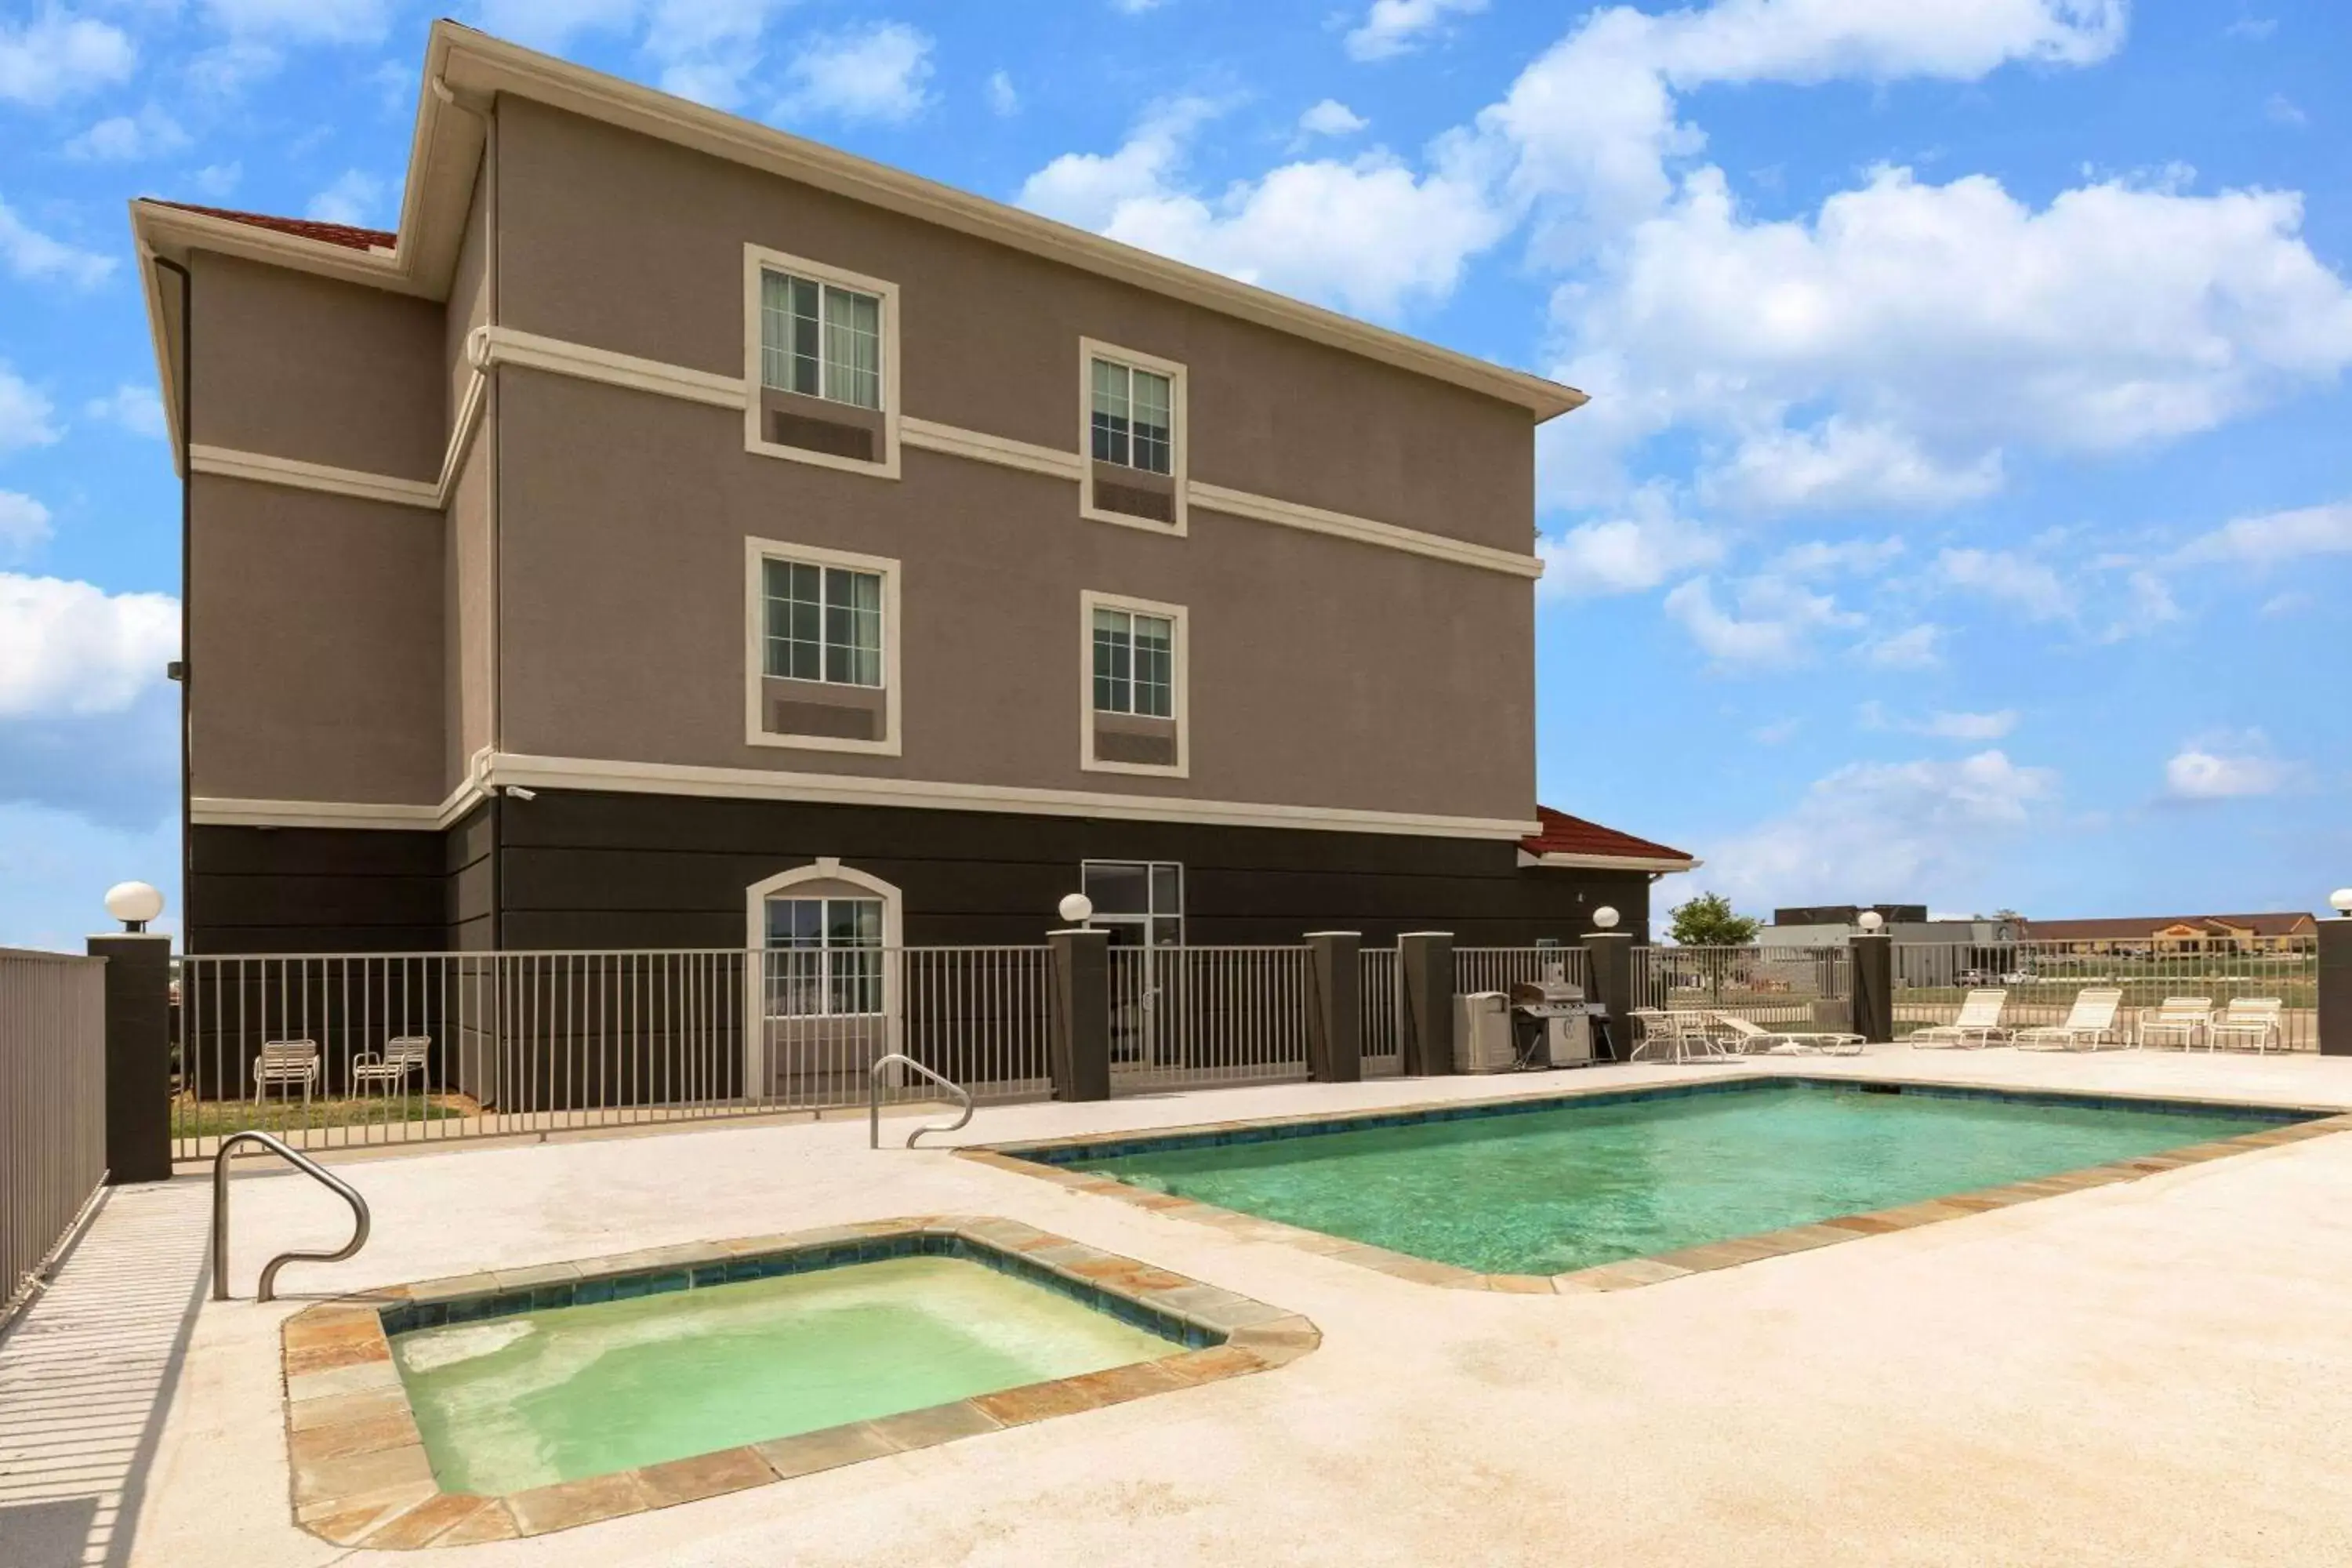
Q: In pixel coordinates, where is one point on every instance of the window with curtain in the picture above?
(824, 957)
(1135, 664)
(820, 339)
(1134, 422)
(823, 622)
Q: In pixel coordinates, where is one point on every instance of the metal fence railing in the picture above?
(2043, 977)
(1807, 985)
(1380, 1003)
(1500, 968)
(332, 1050)
(52, 1107)
(1193, 1017)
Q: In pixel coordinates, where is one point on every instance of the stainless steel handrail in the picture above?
(308, 1167)
(874, 1100)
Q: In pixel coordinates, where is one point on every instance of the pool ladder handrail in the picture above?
(267, 1290)
(874, 1100)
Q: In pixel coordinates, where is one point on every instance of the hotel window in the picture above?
(824, 957)
(1133, 439)
(1134, 718)
(821, 364)
(824, 649)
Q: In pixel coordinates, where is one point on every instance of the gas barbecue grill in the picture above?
(1555, 1021)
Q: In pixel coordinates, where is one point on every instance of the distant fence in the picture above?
(52, 1107)
(2043, 977)
(1193, 1017)
(1805, 985)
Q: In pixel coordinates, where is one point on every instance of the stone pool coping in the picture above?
(360, 1476)
(1632, 1273)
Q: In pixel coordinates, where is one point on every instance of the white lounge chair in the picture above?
(1979, 1022)
(388, 1069)
(2090, 1024)
(287, 1064)
(1672, 1033)
(1745, 1035)
(2249, 1021)
(2182, 1021)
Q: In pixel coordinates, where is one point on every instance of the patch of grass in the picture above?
(219, 1118)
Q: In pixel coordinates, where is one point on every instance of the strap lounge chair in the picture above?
(2182, 1021)
(2090, 1024)
(1672, 1034)
(2249, 1021)
(288, 1065)
(1978, 1023)
(388, 1069)
(1747, 1036)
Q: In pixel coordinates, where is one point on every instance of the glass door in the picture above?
(1140, 904)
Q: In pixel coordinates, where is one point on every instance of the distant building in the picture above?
(2147, 935)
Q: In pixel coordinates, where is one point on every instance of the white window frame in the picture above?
(758, 260)
(1180, 661)
(1179, 434)
(824, 868)
(756, 552)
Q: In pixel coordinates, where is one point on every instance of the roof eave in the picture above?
(1567, 860)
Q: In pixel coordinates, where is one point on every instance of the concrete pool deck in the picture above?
(2153, 1372)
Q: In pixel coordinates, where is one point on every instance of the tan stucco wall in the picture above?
(629, 244)
(291, 365)
(468, 544)
(316, 646)
(1323, 672)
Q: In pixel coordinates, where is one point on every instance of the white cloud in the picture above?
(2226, 767)
(1908, 830)
(1628, 553)
(55, 56)
(353, 199)
(303, 21)
(2280, 110)
(1818, 558)
(24, 524)
(73, 648)
(1944, 725)
(2273, 538)
(1771, 624)
(227, 68)
(2294, 601)
(218, 179)
(1003, 99)
(124, 138)
(1331, 117)
(709, 49)
(1778, 733)
(2257, 29)
(1135, 7)
(1368, 234)
(24, 414)
(872, 73)
(1914, 647)
(1393, 28)
(138, 409)
(2029, 587)
(553, 24)
(1842, 466)
(31, 253)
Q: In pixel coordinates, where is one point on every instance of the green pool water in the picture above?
(512, 1403)
(1551, 1191)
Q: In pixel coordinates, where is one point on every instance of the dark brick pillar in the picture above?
(1609, 980)
(1335, 1035)
(2335, 987)
(138, 1055)
(1873, 987)
(1425, 979)
(1081, 961)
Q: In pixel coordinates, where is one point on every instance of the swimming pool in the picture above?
(1576, 1184)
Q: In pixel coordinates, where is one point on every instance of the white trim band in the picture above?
(227, 463)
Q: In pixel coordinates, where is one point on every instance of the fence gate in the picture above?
(1188, 1018)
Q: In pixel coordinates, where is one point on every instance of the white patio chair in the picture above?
(2090, 1024)
(1979, 1022)
(1747, 1036)
(2180, 1021)
(2249, 1021)
(287, 1064)
(388, 1069)
(1675, 1032)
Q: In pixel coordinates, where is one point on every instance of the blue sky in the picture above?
(1964, 512)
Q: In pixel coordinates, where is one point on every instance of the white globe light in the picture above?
(1076, 908)
(1605, 917)
(133, 903)
(1871, 920)
(2342, 900)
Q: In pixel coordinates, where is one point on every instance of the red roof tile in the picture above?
(2145, 927)
(1565, 834)
(340, 234)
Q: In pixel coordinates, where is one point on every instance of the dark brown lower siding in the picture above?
(581, 870)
